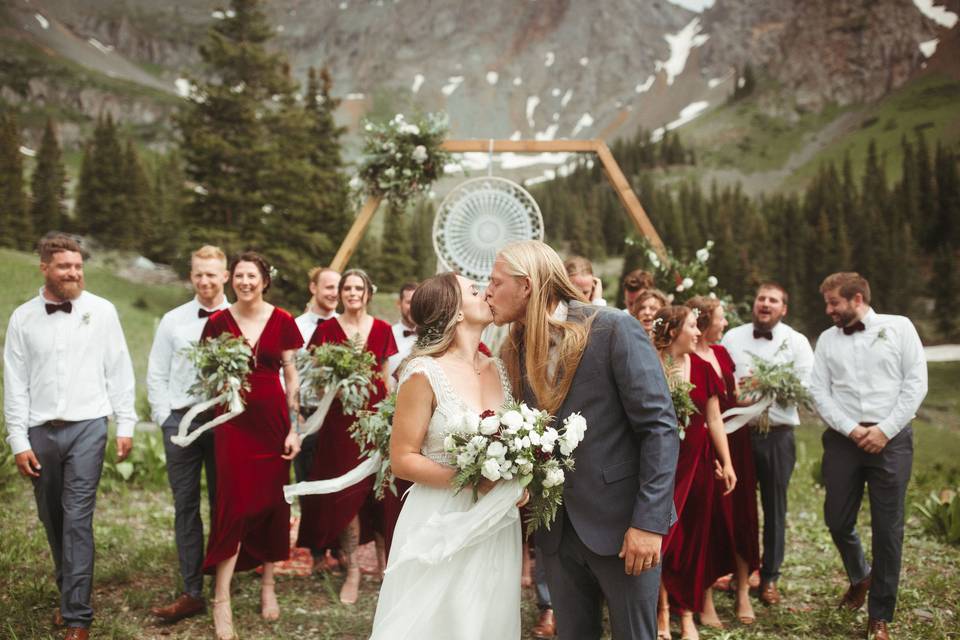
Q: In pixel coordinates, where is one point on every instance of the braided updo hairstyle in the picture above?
(434, 308)
(667, 325)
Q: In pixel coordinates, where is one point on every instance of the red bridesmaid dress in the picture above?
(250, 510)
(324, 517)
(698, 549)
(740, 507)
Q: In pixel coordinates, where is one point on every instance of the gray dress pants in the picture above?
(184, 468)
(846, 468)
(71, 460)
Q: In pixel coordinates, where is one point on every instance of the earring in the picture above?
(460, 317)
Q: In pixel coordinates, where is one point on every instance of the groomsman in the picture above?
(774, 453)
(869, 378)
(633, 283)
(323, 306)
(66, 368)
(169, 377)
(404, 333)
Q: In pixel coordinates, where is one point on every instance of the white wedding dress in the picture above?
(454, 568)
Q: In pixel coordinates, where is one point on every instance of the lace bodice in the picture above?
(450, 406)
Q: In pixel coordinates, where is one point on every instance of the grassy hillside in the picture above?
(140, 305)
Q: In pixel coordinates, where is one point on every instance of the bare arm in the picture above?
(719, 437)
(291, 445)
(410, 422)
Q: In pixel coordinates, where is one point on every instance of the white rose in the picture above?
(419, 154)
(489, 425)
(576, 427)
(478, 442)
(512, 420)
(534, 438)
(449, 443)
(553, 477)
(464, 460)
(549, 440)
(566, 448)
(687, 283)
(529, 415)
(703, 255)
(496, 450)
(525, 466)
(712, 281)
(410, 129)
(470, 422)
(490, 470)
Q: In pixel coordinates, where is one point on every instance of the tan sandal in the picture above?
(269, 611)
(224, 630)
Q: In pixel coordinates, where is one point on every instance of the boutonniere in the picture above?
(882, 335)
(85, 318)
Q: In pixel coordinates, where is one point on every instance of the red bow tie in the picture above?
(760, 333)
(853, 328)
(204, 313)
(66, 307)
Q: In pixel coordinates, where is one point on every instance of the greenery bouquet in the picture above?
(331, 370)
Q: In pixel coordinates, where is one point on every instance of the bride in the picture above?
(454, 566)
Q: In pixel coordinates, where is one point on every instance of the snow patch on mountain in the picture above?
(693, 5)
(532, 103)
(929, 47)
(939, 14)
(681, 43)
(586, 120)
(417, 82)
(452, 83)
(493, 77)
(43, 21)
(644, 86)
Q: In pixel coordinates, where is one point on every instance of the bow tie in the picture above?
(66, 307)
(204, 313)
(408, 332)
(760, 333)
(853, 328)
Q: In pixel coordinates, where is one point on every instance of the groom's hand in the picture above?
(640, 551)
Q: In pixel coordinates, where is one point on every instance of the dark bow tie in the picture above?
(853, 328)
(760, 333)
(409, 332)
(66, 307)
(205, 313)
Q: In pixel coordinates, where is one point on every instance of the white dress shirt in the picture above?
(876, 375)
(66, 366)
(404, 347)
(170, 373)
(740, 344)
(308, 322)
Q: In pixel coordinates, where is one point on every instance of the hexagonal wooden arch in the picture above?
(612, 170)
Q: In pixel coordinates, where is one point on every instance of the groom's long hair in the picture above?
(550, 285)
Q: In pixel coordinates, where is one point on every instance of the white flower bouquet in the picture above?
(517, 442)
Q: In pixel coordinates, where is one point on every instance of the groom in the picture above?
(565, 356)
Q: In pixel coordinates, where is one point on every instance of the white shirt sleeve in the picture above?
(118, 374)
(820, 388)
(158, 372)
(803, 358)
(914, 387)
(16, 388)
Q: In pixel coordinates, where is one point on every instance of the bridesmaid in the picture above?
(335, 519)
(646, 305)
(740, 508)
(698, 549)
(251, 525)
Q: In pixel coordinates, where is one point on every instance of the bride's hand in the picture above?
(524, 499)
(484, 486)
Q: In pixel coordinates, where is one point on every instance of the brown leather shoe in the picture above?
(856, 595)
(546, 627)
(877, 630)
(77, 633)
(57, 618)
(183, 607)
(769, 594)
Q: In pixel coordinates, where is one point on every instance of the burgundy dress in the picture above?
(326, 516)
(740, 507)
(250, 509)
(698, 548)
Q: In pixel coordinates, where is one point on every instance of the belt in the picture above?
(60, 423)
(778, 427)
(868, 424)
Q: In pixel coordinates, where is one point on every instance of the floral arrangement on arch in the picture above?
(402, 159)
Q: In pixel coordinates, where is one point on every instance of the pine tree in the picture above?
(926, 196)
(421, 239)
(335, 215)
(101, 200)
(165, 240)
(137, 202)
(946, 224)
(48, 211)
(945, 290)
(15, 230)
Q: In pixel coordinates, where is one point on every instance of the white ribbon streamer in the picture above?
(183, 439)
(737, 417)
(315, 421)
(445, 534)
(366, 468)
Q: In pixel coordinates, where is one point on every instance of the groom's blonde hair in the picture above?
(549, 286)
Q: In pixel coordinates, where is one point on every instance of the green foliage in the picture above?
(941, 515)
(371, 432)
(48, 184)
(15, 229)
(346, 369)
(145, 468)
(680, 390)
(222, 364)
(778, 382)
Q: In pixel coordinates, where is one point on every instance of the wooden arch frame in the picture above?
(612, 170)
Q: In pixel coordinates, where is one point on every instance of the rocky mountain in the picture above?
(541, 69)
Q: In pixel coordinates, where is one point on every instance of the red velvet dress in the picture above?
(250, 509)
(740, 507)
(698, 549)
(324, 517)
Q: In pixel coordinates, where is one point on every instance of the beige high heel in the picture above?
(350, 590)
(269, 611)
(223, 629)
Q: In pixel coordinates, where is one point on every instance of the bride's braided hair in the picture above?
(434, 308)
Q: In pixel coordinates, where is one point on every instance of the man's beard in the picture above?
(65, 290)
(845, 318)
(765, 326)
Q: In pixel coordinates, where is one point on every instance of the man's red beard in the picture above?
(65, 289)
